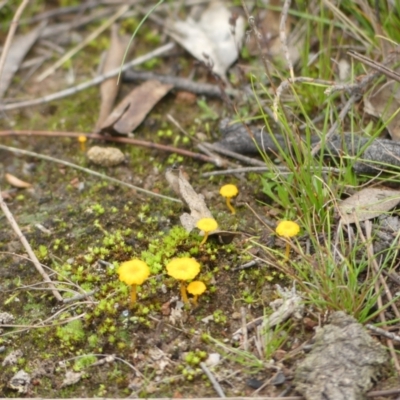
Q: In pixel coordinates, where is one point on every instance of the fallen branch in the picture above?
(85, 85)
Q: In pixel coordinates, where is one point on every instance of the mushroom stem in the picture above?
(183, 293)
(287, 251)
(133, 295)
(204, 238)
(230, 206)
(196, 296)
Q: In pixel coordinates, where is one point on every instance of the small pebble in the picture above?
(105, 156)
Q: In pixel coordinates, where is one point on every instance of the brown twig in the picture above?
(141, 143)
(178, 83)
(381, 68)
(237, 156)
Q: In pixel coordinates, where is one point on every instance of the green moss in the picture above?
(71, 333)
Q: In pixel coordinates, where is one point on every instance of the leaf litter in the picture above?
(218, 49)
(215, 38)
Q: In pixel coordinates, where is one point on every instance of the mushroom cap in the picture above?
(133, 272)
(196, 288)
(229, 190)
(207, 224)
(184, 268)
(287, 229)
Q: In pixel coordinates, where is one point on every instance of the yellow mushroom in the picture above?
(133, 273)
(82, 140)
(287, 229)
(229, 191)
(183, 269)
(206, 225)
(196, 288)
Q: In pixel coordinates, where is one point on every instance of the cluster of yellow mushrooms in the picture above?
(184, 269)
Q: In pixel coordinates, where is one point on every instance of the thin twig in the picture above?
(178, 83)
(382, 332)
(237, 156)
(212, 379)
(244, 329)
(85, 85)
(283, 36)
(122, 10)
(375, 65)
(116, 139)
(28, 248)
(88, 171)
(281, 169)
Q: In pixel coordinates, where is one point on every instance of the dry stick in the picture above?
(85, 85)
(283, 36)
(82, 44)
(382, 332)
(282, 170)
(28, 248)
(375, 65)
(212, 379)
(3, 205)
(237, 156)
(142, 143)
(88, 171)
(178, 83)
(375, 266)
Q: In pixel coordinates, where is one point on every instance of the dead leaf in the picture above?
(383, 102)
(132, 110)
(213, 39)
(16, 182)
(367, 204)
(195, 202)
(71, 378)
(109, 88)
(18, 50)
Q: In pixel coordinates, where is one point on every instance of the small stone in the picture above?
(20, 381)
(213, 359)
(6, 318)
(236, 315)
(105, 156)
